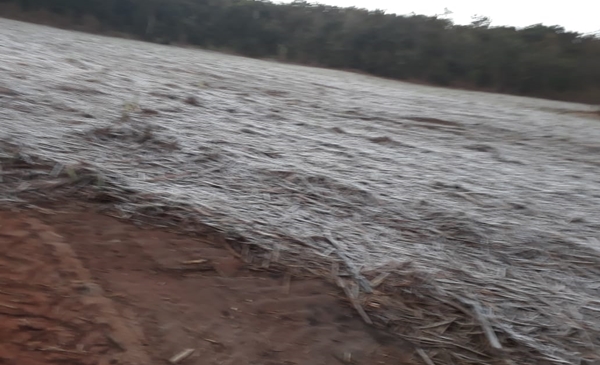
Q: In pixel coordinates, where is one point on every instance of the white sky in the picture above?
(574, 15)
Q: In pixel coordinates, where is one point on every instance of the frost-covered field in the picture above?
(486, 194)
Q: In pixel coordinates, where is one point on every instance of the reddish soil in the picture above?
(79, 287)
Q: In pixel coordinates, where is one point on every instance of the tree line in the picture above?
(539, 60)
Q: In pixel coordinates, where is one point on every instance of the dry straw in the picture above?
(460, 298)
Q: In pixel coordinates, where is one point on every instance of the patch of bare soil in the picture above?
(79, 287)
(592, 114)
(589, 114)
(50, 310)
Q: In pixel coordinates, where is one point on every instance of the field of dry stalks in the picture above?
(492, 201)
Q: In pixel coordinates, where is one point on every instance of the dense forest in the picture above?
(537, 60)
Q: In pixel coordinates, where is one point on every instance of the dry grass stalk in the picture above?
(353, 299)
(177, 358)
(425, 357)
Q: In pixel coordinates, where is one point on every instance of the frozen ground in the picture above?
(493, 197)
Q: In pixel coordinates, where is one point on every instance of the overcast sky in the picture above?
(575, 15)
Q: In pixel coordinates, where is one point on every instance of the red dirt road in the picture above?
(79, 287)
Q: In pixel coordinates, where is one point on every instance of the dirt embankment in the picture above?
(79, 287)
